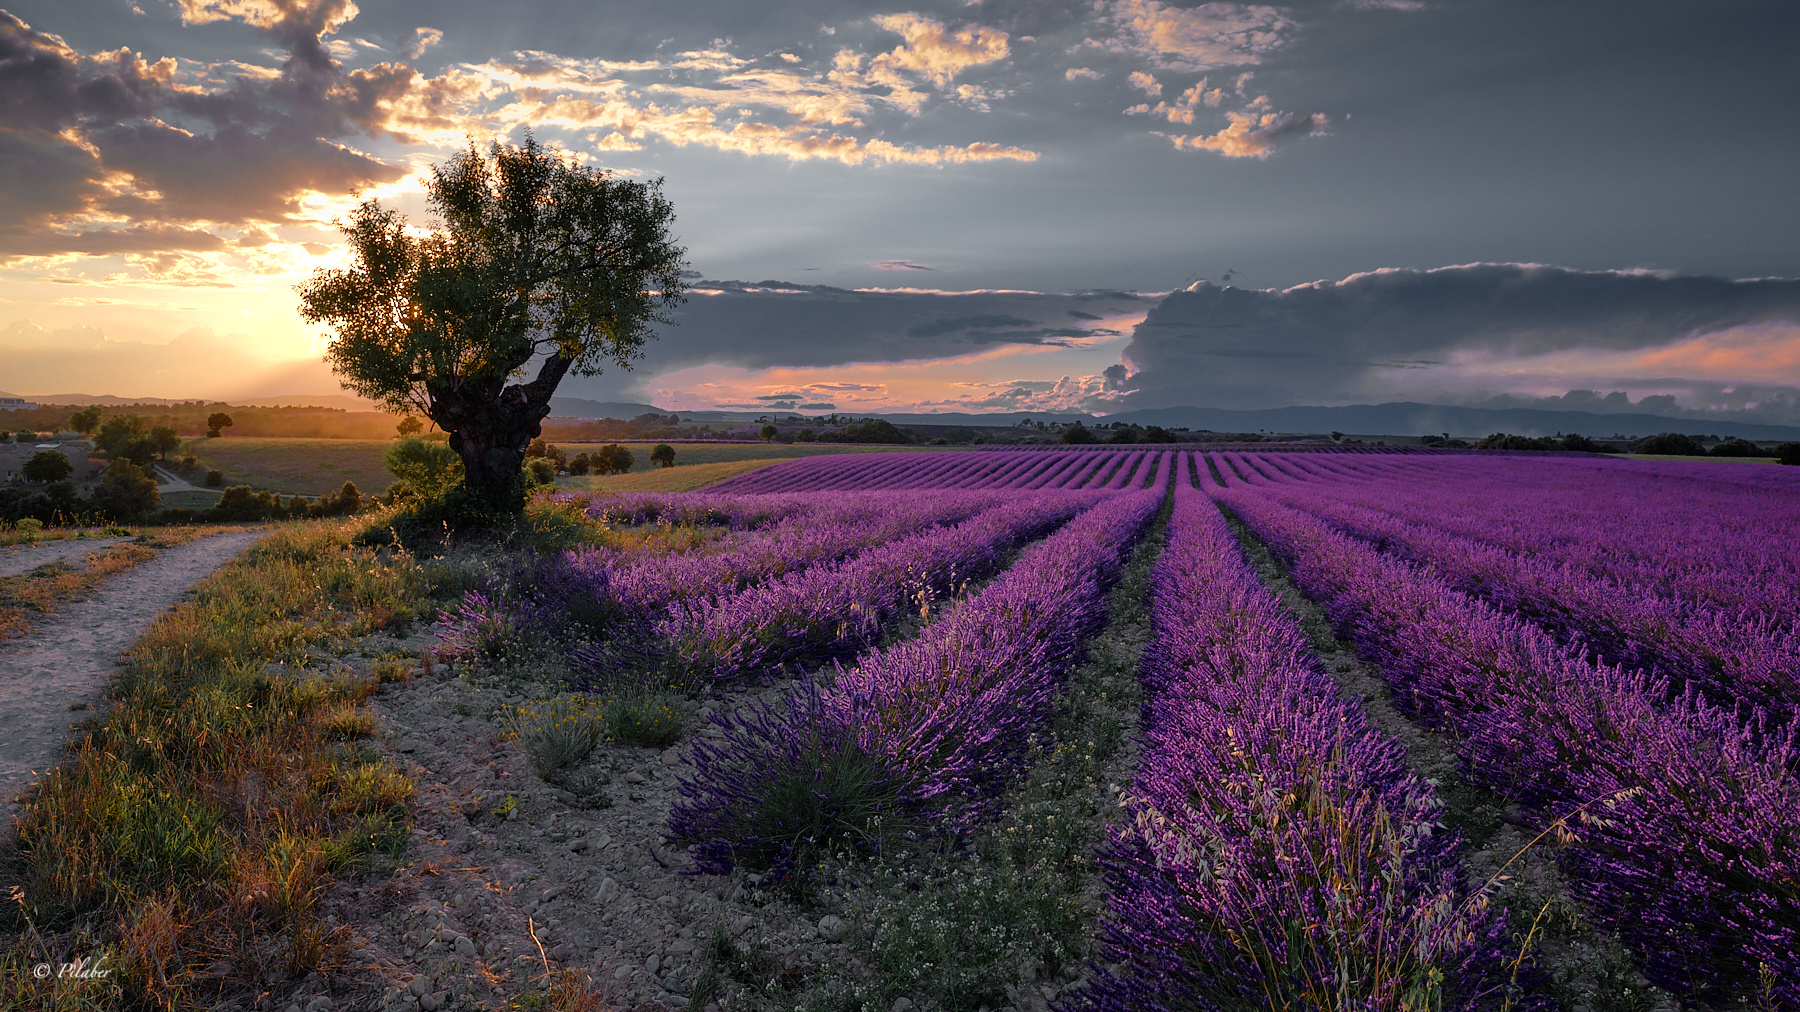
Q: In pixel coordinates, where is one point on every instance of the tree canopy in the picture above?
(533, 259)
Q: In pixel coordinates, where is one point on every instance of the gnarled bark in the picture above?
(490, 429)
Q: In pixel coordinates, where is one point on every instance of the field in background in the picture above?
(664, 479)
(718, 453)
(1710, 460)
(304, 466)
(313, 466)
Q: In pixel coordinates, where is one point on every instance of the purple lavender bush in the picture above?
(921, 736)
(1685, 816)
(1280, 854)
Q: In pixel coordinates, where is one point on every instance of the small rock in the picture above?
(671, 758)
(578, 846)
(319, 1004)
(621, 973)
(418, 986)
(606, 891)
(674, 1001)
(833, 928)
(562, 952)
(566, 797)
(672, 984)
(465, 946)
(653, 964)
(680, 947)
(741, 925)
(293, 1007)
(432, 1002)
(634, 777)
(901, 1004)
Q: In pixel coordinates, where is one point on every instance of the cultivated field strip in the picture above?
(841, 526)
(1731, 656)
(937, 726)
(1701, 541)
(1280, 853)
(1072, 468)
(827, 612)
(1683, 817)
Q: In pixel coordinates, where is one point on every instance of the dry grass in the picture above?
(298, 466)
(189, 834)
(26, 596)
(684, 478)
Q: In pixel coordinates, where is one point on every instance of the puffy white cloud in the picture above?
(1251, 134)
(1191, 39)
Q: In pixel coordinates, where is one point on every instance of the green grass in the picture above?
(190, 831)
(189, 500)
(314, 466)
(1728, 460)
(664, 479)
(298, 466)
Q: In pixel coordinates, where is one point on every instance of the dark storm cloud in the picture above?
(1335, 342)
(111, 135)
(775, 323)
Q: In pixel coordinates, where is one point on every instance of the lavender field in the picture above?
(899, 663)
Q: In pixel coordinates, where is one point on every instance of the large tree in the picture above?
(534, 259)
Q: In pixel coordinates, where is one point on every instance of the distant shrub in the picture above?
(1508, 441)
(1672, 444)
(1119, 436)
(241, 503)
(805, 436)
(1735, 447)
(217, 423)
(662, 455)
(430, 467)
(29, 526)
(214, 477)
(125, 491)
(1788, 453)
(1079, 434)
(613, 458)
(47, 466)
(539, 471)
(409, 426)
(541, 447)
(870, 430)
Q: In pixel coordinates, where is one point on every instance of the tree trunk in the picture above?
(490, 430)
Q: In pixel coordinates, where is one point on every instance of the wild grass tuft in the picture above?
(193, 827)
(647, 718)
(558, 734)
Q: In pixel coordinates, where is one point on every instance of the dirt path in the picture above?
(67, 660)
(25, 558)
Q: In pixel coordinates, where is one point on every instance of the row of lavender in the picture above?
(1686, 814)
(828, 612)
(816, 585)
(1713, 539)
(922, 735)
(1281, 854)
(978, 469)
(1625, 610)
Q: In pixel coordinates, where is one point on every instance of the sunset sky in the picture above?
(952, 206)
